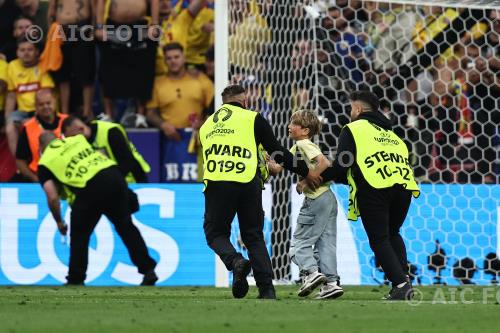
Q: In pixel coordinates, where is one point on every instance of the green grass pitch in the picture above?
(202, 309)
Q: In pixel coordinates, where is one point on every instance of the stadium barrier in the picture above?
(465, 219)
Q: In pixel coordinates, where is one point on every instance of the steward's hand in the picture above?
(313, 180)
(63, 228)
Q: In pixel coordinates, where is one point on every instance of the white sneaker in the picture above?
(330, 290)
(140, 121)
(311, 282)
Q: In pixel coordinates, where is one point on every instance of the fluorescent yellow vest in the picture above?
(382, 158)
(101, 142)
(229, 149)
(73, 162)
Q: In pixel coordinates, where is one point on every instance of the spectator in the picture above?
(176, 22)
(429, 22)
(177, 104)
(3, 87)
(348, 46)
(200, 37)
(390, 34)
(24, 79)
(7, 162)
(238, 13)
(8, 14)
(249, 40)
(492, 44)
(195, 144)
(419, 88)
(45, 119)
(37, 11)
(127, 63)
(483, 101)
(209, 63)
(78, 51)
(21, 25)
(443, 75)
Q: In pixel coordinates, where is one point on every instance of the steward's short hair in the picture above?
(231, 91)
(307, 119)
(366, 97)
(45, 138)
(68, 122)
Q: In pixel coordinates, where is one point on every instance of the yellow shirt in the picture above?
(309, 152)
(3, 77)
(249, 40)
(198, 41)
(176, 99)
(427, 30)
(25, 82)
(174, 29)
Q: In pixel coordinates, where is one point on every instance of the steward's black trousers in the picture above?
(383, 212)
(224, 200)
(106, 193)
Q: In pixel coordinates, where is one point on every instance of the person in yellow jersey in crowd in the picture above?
(7, 162)
(3, 85)
(176, 23)
(24, 79)
(374, 161)
(178, 101)
(200, 37)
(250, 37)
(230, 139)
(96, 187)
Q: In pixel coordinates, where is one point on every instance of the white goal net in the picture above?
(435, 67)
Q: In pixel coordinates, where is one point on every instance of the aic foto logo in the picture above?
(100, 257)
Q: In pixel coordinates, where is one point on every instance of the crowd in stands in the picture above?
(142, 63)
(435, 69)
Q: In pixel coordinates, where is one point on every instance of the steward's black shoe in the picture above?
(149, 279)
(268, 293)
(73, 283)
(241, 269)
(405, 293)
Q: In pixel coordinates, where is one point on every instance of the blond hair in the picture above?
(307, 119)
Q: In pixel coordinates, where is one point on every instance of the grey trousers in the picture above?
(314, 243)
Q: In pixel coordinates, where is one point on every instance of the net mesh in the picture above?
(434, 68)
